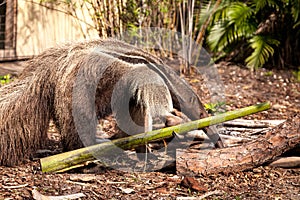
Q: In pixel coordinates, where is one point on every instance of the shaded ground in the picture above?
(242, 88)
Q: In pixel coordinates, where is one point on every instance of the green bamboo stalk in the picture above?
(66, 160)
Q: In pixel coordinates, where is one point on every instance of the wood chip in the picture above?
(192, 183)
(38, 196)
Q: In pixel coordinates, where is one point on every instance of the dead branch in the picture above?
(242, 123)
(286, 162)
(244, 157)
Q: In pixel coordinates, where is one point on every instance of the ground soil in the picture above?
(241, 88)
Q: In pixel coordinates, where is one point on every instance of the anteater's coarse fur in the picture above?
(73, 84)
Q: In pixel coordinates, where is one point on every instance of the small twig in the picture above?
(78, 183)
(201, 135)
(37, 195)
(117, 182)
(15, 186)
(216, 192)
(286, 162)
(252, 123)
(4, 2)
(242, 129)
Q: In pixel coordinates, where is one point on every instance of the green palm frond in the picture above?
(296, 10)
(205, 12)
(221, 35)
(263, 49)
(239, 13)
(221, 13)
(297, 24)
(238, 22)
(207, 8)
(261, 4)
(235, 26)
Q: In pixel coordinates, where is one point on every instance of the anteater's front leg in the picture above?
(147, 123)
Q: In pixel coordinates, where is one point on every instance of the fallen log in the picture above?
(244, 157)
(66, 160)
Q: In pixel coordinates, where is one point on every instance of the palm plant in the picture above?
(269, 28)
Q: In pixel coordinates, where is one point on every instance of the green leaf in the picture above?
(296, 10)
(260, 5)
(239, 13)
(236, 25)
(263, 49)
(220, 36)
(5, 79)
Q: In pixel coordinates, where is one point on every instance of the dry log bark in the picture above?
(247, 156)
